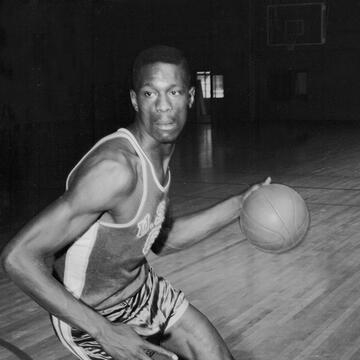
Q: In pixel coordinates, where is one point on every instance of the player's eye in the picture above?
(175, 92)
(148, 93)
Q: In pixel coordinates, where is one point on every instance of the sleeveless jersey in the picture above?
(107, 264)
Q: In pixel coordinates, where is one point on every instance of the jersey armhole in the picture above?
(144, 191)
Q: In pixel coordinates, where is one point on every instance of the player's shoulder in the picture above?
(116, 153)
(113, 162)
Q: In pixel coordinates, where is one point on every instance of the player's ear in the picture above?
(134, 100)
(191, 96)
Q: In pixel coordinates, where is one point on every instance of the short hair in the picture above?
(160, 53)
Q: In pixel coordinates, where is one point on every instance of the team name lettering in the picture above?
(143, 226)
(152, 228)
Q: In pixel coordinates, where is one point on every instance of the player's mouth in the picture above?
(166, 126)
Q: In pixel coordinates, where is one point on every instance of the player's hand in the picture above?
(123, 343)
(253, 188)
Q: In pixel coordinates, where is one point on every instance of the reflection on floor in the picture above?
(303, 304)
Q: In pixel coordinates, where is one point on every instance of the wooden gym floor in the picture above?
(300, 305)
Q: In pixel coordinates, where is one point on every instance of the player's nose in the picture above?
(163, 103)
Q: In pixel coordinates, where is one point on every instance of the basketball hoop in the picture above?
(290, 25)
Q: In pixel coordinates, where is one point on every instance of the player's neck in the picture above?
(158, 153)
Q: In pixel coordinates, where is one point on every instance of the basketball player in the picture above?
(106, 301)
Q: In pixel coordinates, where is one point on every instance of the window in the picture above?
(218, 86)
(205, 80)
(212, 86)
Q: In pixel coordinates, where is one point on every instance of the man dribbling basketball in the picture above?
(104, 298)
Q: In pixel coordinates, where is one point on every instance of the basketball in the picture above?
(275, 218)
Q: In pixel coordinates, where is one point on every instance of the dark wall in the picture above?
(46, 101)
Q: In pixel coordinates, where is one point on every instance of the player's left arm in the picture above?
(184, 231)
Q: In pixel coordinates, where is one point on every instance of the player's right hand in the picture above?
(123, 343)
(255, 187)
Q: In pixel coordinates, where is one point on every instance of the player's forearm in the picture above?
(189, 229)
(31, 274)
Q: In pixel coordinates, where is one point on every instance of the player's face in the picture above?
(162, 101)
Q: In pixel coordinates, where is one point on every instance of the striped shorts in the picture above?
(154, 308)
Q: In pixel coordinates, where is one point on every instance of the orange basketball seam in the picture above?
(278, 214)
(260, 225)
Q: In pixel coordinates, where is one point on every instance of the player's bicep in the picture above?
(51, 230)
(98, 191)
(101, 187)
(73, 213)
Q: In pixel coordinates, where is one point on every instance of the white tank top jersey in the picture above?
(107, 263)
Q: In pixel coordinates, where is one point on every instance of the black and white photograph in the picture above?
(179, 180)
